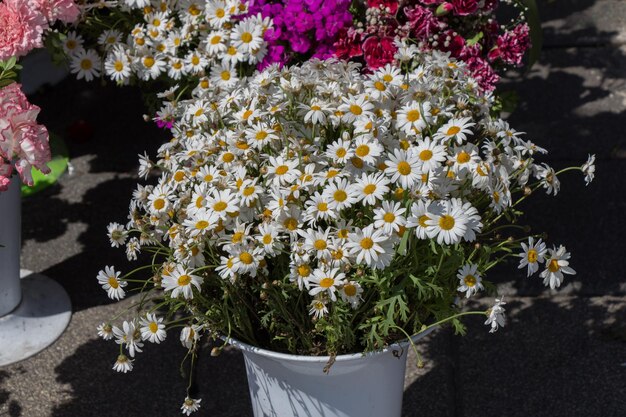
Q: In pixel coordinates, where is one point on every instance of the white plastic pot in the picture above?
(10, 241)
(357, 385)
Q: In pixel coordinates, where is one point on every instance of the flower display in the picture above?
(172, 41)
(319, 210)
(302, 29)
(23, 142)
(467, 29)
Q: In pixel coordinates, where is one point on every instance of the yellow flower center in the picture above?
(413, 115)
(342, 233)
(320, 244)
(148, 62)
(554, 266)
(422, 220)
(245, 258)
(350, 290)
(357, 162)
(119, 66)
(220, 206)
(113, 282)
(470, 280)
(267, 239)
(356, 109)
(291, 223)
(326, 282)
(70, 44)
(237, 237)
(404, 168)
(389, 217)
(225, 75)
(204, 84)
(159, 203)
(177, 65)
(228, 157)
(261, 135)
(156, 22)
(231, 50)
(304, 270)
(202, 224)
(153, 327)
(463, 157)
(362, 150)
(184, 280)
(446, 222)
(341, 152)
(369, 189)
(380, 86)
(387, 78)
(532, 256)
(246, 37)
(453, 130)
(248, 191)
(340, 196)
(426, 155)
(367, 243)
(86, 64)
(216, 39)
(322, 206)
(282, 169)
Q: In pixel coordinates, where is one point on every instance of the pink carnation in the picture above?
(512, 45)
(423, 21)
(22, 140)
(482, 73)
(379, 51)
(348, 44)
(64, 10)
(21, 28)
(464, 7)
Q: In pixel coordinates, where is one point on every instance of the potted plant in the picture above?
(317, 212)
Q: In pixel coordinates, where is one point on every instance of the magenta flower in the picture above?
(378, 51)
(21, 28)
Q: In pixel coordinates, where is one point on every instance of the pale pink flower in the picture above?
(21, 28)
(22, 140)
(66, 11)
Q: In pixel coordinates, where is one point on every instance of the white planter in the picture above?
(34, 309)
(357, 385)
(10, 240)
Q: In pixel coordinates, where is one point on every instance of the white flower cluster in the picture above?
(176, 39)
(328, 170)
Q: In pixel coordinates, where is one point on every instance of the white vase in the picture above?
(10, 241)
(357, 385)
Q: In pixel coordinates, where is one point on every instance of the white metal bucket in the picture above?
(10, 239)
(357, 385)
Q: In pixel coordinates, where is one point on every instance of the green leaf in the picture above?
(536, 35)
(403, 243)
(474, 40)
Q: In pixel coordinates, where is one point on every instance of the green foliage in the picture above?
(8, 71)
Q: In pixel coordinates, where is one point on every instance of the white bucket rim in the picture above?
(323, 359)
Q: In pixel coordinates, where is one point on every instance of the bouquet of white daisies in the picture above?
(318, 210)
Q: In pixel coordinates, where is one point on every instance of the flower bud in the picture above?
(443, 9)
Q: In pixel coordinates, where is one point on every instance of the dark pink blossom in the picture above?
(348, 44)
(378, 51)
(464, 7)
(423, 22)
(511, 46)
(482, 73)
(392, 5)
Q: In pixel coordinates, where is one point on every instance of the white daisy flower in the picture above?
(189, 335)
(412, 117)
(421, 213)
(73, 43)
(318, 309)
(455, 129)
(495, 315)
(123, 364)
(110, 281)
(533, 255)
(371, 247)
(449, 225)
(389, 217)
(105, 331)
(351, 292)
(315, 111)
(246, 260)
(282, 171)
(86, 64)
(180, 281)
(117, 234)
(190, 405)
(217, 12)
(152, 328)
(268, 238)
(117, 66)
(556, 266)
(340, 151)
(354, 107)
(371, 188)
(317, 208)
(130, 336)
(430, 155)
(470, 281)
(367, 149)
(404, 168)
(247, 36)
(340, 194)
(589, 169)
(222, 203)
(326, 280)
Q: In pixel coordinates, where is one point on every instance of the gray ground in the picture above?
(561, 354)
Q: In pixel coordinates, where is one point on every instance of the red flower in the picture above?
(348, 44)
(378, 51)
(464, 7)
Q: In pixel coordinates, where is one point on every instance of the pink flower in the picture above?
(452, 43)
(64, 10)
(482, 73)
(6, 170)
(378, 51)
(423, 21)
(22, 140)
(348, 44)
(21, 28)
(511, 46)
(392, 5)
(464, 7)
